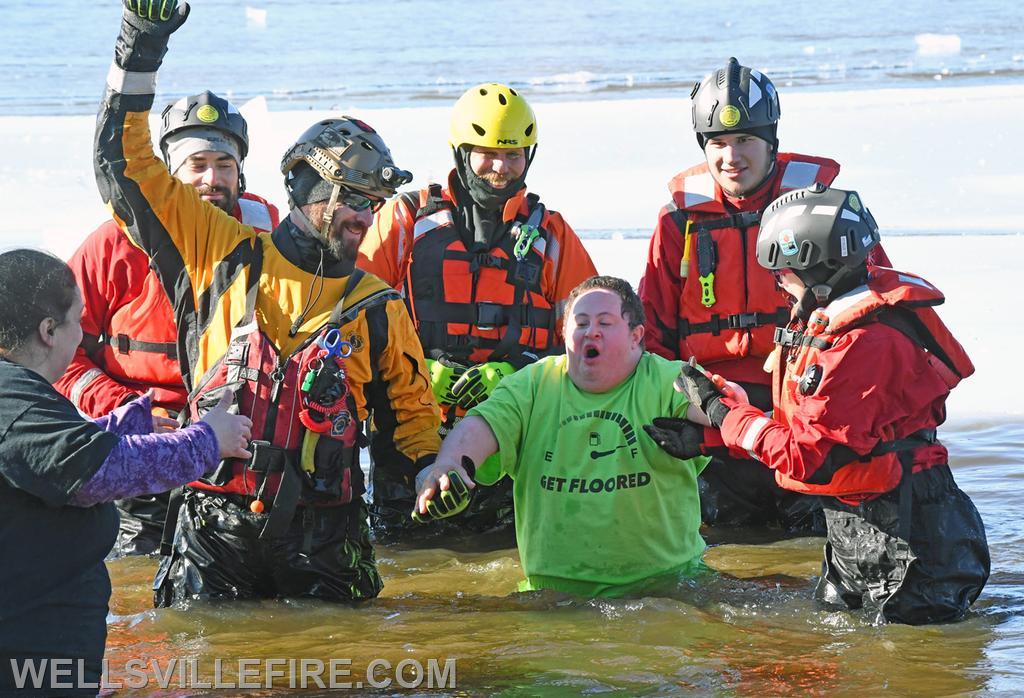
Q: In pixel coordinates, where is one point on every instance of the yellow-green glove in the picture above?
(443, 374)
(478, 382)
(449, 502)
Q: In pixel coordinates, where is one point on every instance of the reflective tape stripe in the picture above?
(751, 434)
(255, 213)
(698, 189)
(798, 175)
(434, 220)
(127, 83)
(84, 380)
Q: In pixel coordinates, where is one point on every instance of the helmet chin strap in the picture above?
(817, 295)
(483, 194)
(325, 225)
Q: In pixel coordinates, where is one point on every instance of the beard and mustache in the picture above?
(227, 201)
(343, 239)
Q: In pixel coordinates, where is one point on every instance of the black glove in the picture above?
(145, 27)
(677, 437)
(161, 17)
(702, 392)
(449, 502)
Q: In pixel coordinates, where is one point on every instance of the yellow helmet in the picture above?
(493, 115)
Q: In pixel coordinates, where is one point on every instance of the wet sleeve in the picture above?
(150, 463)
(405, 414)
(853, 409)
(507, 412)
(661, 287)
(570, 266)
(50, 450)
(387, 242)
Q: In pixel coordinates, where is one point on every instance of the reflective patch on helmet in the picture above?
(755, 94)
(850, 216)
(729, 116)
(844, 247)
(787, 242)
(854, 202)
(208, 114)
(824, 210)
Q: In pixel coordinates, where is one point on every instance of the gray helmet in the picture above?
(816, 232)
(735, 99)
(207, 117)
(348, 153)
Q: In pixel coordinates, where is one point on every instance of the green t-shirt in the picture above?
(599, 505)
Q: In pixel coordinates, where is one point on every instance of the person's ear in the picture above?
(638, 334)
(47, 327)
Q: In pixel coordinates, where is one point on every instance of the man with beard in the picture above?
(706, 297)
(486, 270)
(306, 345)
(128, 345)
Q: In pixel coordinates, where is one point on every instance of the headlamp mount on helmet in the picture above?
(347, 154)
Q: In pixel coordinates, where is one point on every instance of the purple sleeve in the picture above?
(135, 417)
(151, 463)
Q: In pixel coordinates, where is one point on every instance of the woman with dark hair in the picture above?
(59, 473)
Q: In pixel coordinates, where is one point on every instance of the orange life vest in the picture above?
(903, 301)
(729, 306)
(484, 304)
(138, 347)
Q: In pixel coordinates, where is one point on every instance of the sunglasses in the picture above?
(359, 202)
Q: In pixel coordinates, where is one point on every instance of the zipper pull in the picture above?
(276, 377)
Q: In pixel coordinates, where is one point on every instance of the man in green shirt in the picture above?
(601, 509)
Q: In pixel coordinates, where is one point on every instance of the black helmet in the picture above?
(204, 111)
(817, 232)
(346, 152)
(735, 99)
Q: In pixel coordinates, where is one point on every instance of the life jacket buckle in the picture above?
(489, 315)
(742, 321)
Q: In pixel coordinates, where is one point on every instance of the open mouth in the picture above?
(591, 353)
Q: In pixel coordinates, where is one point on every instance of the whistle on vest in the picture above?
(707, 260)
(817, 323)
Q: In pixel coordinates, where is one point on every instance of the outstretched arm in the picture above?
(185, 237)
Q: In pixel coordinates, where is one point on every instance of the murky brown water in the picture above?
(751, 630)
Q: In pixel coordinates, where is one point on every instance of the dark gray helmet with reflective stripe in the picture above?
(346, 152)
(735, 99)
(815, 232)
(207, 111)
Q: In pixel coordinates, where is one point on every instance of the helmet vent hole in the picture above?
(483, 92)
(502, 100)
(806, 252)
(479, 130)
(346, 132)
(773, 255)
(514, 93)
(529, 129)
